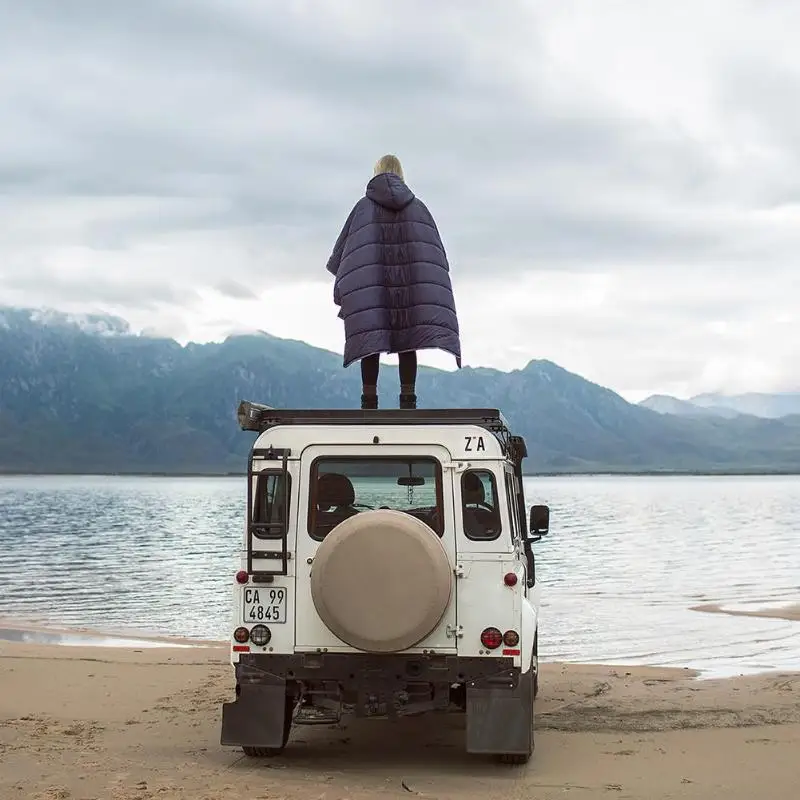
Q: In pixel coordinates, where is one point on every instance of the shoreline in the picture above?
(787, 610)
(117, 723)
(16, 631)
(20, 632)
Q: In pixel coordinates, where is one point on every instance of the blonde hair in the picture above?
(389, 163)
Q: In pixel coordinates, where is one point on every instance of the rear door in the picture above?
(374, 486)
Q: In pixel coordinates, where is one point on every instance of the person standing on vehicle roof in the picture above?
(392, 283)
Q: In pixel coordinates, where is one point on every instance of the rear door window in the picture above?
(343, 487)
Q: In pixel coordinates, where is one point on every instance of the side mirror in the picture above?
(539, 522)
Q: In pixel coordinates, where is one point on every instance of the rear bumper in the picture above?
(497, 700)
(354, 670)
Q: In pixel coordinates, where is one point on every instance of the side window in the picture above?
(480, 510)
(519, 505)
(513, 506)
(268, 501)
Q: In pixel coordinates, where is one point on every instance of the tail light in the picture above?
(510, 579)
(242, 576)
(510, 638)
(241, 635)
(491, 638)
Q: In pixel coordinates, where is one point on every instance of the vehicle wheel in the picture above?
(515, 758)
(266, 752)
(458, 696)
(261, 752)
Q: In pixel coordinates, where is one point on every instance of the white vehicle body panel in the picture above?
(480, 597)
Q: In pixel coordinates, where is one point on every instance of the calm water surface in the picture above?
(624, 562)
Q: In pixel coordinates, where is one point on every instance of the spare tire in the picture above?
(381, 581)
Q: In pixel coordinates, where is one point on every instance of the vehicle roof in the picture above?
(259, 418)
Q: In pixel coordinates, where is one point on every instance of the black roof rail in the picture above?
(259, 418)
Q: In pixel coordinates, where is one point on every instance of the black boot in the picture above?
(369, 397)
(407, 397)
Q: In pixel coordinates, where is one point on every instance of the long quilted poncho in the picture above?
(392, 276)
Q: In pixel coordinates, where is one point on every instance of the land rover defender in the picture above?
(386, 569)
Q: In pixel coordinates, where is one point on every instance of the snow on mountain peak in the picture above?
(95, 324)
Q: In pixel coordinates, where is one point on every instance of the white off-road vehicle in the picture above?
(387, 570)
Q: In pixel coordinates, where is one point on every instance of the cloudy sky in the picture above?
(617, 184)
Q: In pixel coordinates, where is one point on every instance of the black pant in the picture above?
(370, 366)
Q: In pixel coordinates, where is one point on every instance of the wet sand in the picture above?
(143, 724)
(788, 612)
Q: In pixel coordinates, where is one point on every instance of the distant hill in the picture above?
(765, 406)
(81, 394)
(666, 404)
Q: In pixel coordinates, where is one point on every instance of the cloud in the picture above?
(235, 290)
(635, 168)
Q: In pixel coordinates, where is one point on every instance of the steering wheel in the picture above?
(483, 506)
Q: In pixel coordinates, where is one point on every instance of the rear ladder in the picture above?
(273, 531)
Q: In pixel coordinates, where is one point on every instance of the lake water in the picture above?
(626, 559)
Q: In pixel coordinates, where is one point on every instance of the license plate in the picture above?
(265, 604)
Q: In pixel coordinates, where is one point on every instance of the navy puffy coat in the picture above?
(392, 276)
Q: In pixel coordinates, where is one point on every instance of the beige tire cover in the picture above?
(381, 580)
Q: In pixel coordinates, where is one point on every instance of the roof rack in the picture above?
(259, 418)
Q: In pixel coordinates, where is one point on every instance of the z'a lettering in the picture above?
(474, 444)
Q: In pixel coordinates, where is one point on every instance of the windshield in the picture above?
(342, 487)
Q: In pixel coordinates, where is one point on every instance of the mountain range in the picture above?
(82, 394)
(757, 404)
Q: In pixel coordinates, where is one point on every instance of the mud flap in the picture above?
(256, 717)
(500, 714)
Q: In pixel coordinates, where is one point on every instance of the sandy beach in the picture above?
(127, 724)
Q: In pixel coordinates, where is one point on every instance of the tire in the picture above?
(515, 758)
(536, 661)
(266, 752)
(381, 581)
